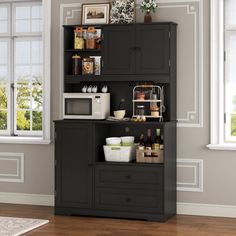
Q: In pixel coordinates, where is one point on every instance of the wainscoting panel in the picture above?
(190, 175)
(12, 167)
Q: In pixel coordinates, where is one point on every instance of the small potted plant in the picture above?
(148, 6)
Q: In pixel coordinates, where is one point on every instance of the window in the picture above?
(230, 71)
(223, 75)
(24, 70)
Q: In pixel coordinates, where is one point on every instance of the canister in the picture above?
(76, 65)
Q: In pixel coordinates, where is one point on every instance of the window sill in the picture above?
(24, 140)
(222, 147)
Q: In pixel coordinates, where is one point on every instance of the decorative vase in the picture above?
(147, 17)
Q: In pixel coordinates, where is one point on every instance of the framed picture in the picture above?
(122, 11)
(95, 13)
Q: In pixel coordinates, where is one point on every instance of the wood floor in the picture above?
(88, 226)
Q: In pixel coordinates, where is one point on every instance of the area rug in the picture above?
(10, 226)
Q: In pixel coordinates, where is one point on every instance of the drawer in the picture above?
(129, 200)
(129, 176)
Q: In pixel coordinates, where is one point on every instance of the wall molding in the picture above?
(199, 209)
(197, 166)
(19, 159)
(196, 209)
(27, 199)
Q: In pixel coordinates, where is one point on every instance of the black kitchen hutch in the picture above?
(84, 183)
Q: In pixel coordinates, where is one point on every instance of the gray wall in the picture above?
(204, 176)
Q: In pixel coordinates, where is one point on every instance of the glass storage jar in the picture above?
(88, 66)
(79, 39)
(140, 111)
(76, 65)
(91, 38)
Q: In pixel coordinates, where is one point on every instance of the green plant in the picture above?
(148, 6)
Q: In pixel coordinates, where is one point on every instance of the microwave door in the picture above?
(78, 107)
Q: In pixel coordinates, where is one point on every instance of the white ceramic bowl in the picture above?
(113, 141)
(120, 114)
(127, 140)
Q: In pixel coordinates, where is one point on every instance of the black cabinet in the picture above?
(153, 49)
(87, 185)
(136, 49)
(118, 50)
(73, 161)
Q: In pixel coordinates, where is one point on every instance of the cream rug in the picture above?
(10, 226)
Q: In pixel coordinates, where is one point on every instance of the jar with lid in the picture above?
(88, 66)
(140, 111)
(79, 39)
(76, 65)
(91, 38)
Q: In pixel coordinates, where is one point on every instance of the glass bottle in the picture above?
(148, 145)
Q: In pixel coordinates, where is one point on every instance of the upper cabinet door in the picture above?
(118, 50)
(152, 49)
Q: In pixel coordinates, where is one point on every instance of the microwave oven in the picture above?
(94, 106)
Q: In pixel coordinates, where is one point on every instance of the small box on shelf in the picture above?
(156, 158)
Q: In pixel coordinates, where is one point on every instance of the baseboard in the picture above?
(206, 210)
(182, 208)
(27, 199)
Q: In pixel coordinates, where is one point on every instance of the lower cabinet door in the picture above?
(73, 171)
(129, 200)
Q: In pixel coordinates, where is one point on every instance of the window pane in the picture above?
(3, 26)
(22, 12)
(23, 52)
(230, 86)
(22, 73)
(23, 120)
(3, 120)
(36, 52)
(230, 12)
(23, 91)
(3, 52)
(3, 73)
(36, 12)
(37, 26)
(3, 13)
(3, 98)
(37, 95)
(37, 121)
(22, 26)
(37, 73)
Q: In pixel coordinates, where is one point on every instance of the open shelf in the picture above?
(76, 79)
(132, 163)
(83, 50)
(141, 101)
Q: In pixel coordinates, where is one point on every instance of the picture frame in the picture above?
(122, 12)
(95, 13)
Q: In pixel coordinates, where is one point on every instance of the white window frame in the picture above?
(46, 138)
(217, 134)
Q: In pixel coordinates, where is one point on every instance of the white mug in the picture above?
(89, 89)
(104, 89)
(94, 89)
(84, 89)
